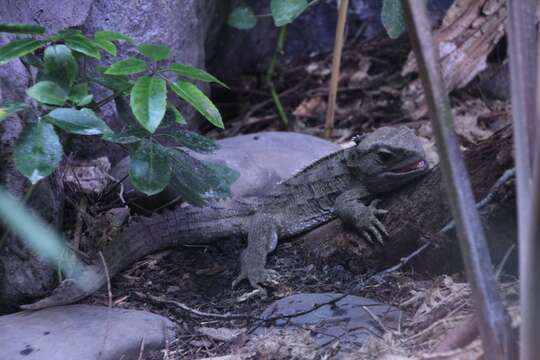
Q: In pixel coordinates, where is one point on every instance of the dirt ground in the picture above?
(200, 277)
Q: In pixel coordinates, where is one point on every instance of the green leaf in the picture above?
(111, 36)
(126, 67)
(194, 73)
(60, 65)
(18, 48)
(41, 237)
(79, 95)
(242, 18)
(199, 101)
(392, 18)
(126, 137)
(11, 108)
(116, 83)
(48, 92)
(106, 45)
(149, 101)
(22, 29)
(149, 168)
(178, 117)
(154, 51)
(197, 180)
(80, 43)
(285, 11)
(38, 151)
(82, 122)
(194, 141)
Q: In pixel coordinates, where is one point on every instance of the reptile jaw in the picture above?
(414, 167)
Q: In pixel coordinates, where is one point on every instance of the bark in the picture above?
(469, 32)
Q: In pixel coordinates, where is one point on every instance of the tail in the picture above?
(186, 225)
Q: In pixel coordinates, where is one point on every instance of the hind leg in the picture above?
(262, 240)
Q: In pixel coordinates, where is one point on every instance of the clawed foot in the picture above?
(371, 228)
(256, 278)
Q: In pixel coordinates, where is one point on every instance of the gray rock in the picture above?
(82, 332)
(262, 159)
(349, 320)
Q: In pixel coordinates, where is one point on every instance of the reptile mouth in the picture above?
(419, 165)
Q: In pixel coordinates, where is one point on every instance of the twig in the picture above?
(336, 61)
(106, 269)
(141, 350)
(194, 312)
(493, 319)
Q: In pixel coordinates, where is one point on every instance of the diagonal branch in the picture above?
(494, 322)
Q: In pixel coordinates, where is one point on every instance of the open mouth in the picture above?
(415, 166)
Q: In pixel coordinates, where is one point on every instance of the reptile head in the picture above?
(386, 158)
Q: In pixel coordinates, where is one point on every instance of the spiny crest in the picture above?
(313, 165)
(398, 137)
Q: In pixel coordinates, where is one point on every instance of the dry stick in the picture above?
(523, 67)
(336, 61)
(494, 322)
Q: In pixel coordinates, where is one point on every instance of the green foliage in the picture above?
(285, 11)
(126, 67)
(59, 65)
(149, 101)
(83, 45)
(196, 98)
(242, 18)
(195, 141)
(154, 52)
(18, 48)
(194, 73)
(149, 168)
(82, 122)
(392, 18)
(22, 29)
(38, 151)
(11, 108)
(48, 92)
(62, 100)
(40, 236)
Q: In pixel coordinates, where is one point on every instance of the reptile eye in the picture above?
(385, 154)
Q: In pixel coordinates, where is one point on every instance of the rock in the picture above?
(181, 24)
(262, 159)
(351, 320)
(82, 332)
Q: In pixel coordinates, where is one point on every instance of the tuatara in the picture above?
(342, 184)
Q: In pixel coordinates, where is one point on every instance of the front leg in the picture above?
(350, 208)
(262, 240)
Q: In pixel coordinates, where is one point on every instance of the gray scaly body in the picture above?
(341, 184)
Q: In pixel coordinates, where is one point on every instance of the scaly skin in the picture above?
(341, 184)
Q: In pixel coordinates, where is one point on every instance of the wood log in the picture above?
(468, 33)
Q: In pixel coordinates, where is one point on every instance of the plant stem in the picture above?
(336, 61)
(270, 73)
(494, 325)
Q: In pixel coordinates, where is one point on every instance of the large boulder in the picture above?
(262, 159)
(82, 332)
(183, 25)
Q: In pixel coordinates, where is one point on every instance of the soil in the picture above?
(200, 277)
